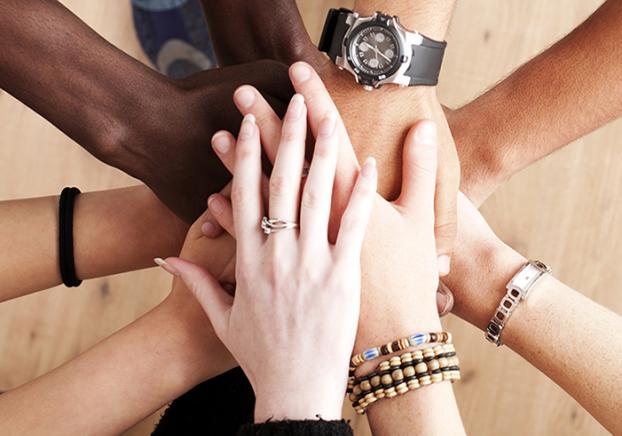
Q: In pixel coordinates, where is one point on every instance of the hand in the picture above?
(391, 110)
(166, 145)
(288, 284)
(250, 101)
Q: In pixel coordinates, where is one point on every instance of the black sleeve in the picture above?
(297, 428)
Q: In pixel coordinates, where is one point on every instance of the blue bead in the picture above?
(372, 353)
(417, 339)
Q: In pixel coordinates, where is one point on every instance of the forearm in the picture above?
(114, 231)
(569, 90)
(122, 379)
(559, 331)
(430, 18)
(61, 68)
(246, 30)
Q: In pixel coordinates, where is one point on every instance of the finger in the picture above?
(215, 301)
(419, 170)
(210, 227)
(445, 206)
(444, 299)
(223, 144)
(319, 104)
(356, 216)
(287, 171)
(246, 188)
(222, 212)
(249, 101)
(318, 187)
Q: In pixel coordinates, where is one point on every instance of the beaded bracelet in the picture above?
(399, 345)
(407, 372)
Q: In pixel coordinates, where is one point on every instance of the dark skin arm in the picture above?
(122, 112)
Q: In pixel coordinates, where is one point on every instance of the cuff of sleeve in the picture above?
(297, 428)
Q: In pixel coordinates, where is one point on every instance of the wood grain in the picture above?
(574, 228)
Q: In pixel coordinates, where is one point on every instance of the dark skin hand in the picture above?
(121, 111)
(259, 32)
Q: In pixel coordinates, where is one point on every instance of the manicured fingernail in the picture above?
(369, 167)
(166, 266)
(444, 299)
(221, 142)
(443, 262)
(426, 132)
(208, 228)
(215, 205)
(300, 72)
(248, 126)
(327, 126)
(296, 106)
(244, 96)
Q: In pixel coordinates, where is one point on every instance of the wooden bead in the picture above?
(397, 375)
(365, 386)
(406, 358)
(409, 371)
(375, 381)
(379, 393)
(384, 366)
(421, 368)
(387, 380)
(433, 365)
(428, 354)
(438, 350)
(401, 389)
(424, 380)
(395, 362)
(443, 362)
(435, 378)
(357, 390)
(413, 384)
(352, 397)
(417, 354)
(390, 393)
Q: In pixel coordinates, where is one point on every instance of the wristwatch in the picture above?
(378, 50)
(517, 290)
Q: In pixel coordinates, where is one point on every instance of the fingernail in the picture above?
(208, 228)
(166, 266)
(441, 302)
(327, 126)
(426, 132)
(443, 262)
(248, 126)
(245, 97)
(369, 167)
(215, 205)
(221, 142)
(296, 106)
(300, 72)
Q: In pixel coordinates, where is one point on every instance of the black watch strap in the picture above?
(426, 60)
(335, 29)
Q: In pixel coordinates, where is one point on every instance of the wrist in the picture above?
(299, 403)
(482, 281)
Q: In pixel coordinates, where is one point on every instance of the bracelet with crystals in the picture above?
(517, 290)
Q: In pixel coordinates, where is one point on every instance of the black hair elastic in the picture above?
(65, 239)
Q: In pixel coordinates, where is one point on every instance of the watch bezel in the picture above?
(378, 21)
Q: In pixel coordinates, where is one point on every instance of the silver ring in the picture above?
(275, 225)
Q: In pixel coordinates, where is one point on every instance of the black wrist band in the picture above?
(65, 237)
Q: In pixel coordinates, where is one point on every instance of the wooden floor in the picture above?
(575, 228)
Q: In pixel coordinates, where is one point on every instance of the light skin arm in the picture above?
(132, 373)
(114, 231)
(562, 94)
(564, 334)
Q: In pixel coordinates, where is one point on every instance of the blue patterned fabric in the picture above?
(174, 35)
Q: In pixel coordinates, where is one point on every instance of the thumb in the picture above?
(216, 302)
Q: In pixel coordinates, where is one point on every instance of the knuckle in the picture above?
(311, 199)
(239, 195)
(352, 222)
(279, 186)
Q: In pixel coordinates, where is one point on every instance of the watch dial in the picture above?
(375, 51)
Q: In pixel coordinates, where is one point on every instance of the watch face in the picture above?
(375, 51)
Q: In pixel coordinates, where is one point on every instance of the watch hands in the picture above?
(378, 52)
